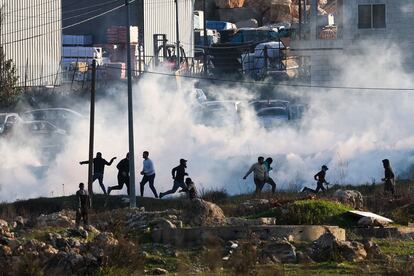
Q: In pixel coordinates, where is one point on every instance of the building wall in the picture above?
(159, 18)
(325, 53)
(76, 10)
(31, 37)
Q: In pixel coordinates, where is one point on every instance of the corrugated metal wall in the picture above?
(31, 36)
(159, 18)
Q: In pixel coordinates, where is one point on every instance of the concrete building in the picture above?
(31, 37)
(160, 18)
(382, 21)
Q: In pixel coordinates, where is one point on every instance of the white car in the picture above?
(62, 117)
(270, 117)
(7, 122)
(218, 113)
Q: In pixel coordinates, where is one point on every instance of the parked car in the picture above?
(218, 113)
(274, 113)
(7, 122)
(62, 117)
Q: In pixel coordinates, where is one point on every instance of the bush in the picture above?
(215, 196)
(311, 212)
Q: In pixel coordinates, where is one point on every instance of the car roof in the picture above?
(53, 109)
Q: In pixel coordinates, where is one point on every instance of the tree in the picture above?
(9, 91)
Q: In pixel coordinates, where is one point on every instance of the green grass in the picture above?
(396, 247)
(308, 212)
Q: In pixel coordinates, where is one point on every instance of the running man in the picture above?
(123, 175)
(148, 173)
(98, 168)
(178, 174)
(259, 174)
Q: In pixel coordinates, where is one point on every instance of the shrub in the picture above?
(214, 195)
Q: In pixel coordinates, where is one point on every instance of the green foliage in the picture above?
(9, 92)
(311, 212)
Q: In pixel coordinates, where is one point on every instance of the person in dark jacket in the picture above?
(178, 174)
(98, 168)
(389, 177)
(84, 203)
(320, 180)
(123, 175)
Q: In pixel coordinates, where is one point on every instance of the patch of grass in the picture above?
(396, 247)
(325, 268)
(308, 212)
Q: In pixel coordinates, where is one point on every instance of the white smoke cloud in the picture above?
(350, 131)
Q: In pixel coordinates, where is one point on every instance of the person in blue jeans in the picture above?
(148, 173)
(178, 174)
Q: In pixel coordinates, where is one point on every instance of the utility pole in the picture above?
(132, 199)
(91, 129)
(205, 38)
(178, 34)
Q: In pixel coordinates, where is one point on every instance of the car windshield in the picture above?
(2, 119)
(273, 112)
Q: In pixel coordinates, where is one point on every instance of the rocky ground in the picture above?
(121, 240)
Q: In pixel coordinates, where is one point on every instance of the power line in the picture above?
(51, 22)
(277, 83)
(69, 26)
(63, 12)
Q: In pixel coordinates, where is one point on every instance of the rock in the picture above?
(19, 222)
(237, 221)
(249, 23)
(372, 222)
(5, 230)
(92, 230)
(105, 240)
(79, 232)
(229, 4)
(303, 258)
(202, 213)
(159, 271)
(5, 251)
(350, 197)
(162, 223)
(59, 219)
(372, 249)
(280, 251)
(352, 251)
(328, 248)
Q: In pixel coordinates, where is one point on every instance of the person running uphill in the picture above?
(148, 173)
(259, 174)
(84, 203)
(190, 189)
(123, 175)
(320, 178)
(98, 168)
(178, 174)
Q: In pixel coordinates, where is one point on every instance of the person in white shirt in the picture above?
(259, 174)
(148, 173)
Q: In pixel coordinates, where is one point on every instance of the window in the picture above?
(371, 16)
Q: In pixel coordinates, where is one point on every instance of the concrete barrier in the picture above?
(201, 235)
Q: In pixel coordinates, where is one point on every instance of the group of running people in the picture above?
(148, 176)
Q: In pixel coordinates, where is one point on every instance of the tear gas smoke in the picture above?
(350, 131)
